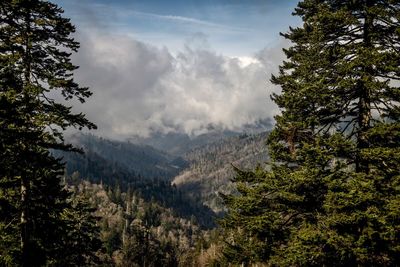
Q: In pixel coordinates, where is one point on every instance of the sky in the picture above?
(178, 65)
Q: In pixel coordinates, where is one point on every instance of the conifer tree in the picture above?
(35, 49)
(332, 195)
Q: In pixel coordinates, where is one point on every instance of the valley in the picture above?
(169, 203)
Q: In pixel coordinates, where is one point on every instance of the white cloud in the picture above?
(139, 88)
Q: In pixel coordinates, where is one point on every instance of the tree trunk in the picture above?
(25, 233)
(25, 183)
(364, 104)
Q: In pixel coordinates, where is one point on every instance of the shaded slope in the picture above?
(143, 160)
(211, 169)
(95, 168)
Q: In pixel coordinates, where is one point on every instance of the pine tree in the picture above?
(81, 236)
(35, 46)
(332, 195)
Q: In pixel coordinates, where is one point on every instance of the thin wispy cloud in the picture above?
(234, 28)
(182, 19)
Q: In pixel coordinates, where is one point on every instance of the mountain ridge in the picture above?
(143, 160)
(178, 143)
(210, 167)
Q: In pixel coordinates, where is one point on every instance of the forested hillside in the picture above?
(142, 160)
(204, 172)
(211, 167)
(98, 169)
(179, 144)
(144, 220)
(139, 232)
(149, 220)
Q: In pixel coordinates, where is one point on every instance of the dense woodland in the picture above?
(211, 167)
(139, 232)
(327, 193)
(143, 160)
(112, 173)
(182, 226)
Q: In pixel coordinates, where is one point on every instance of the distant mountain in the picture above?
(142, 160)
(210, 170)
(179, 144)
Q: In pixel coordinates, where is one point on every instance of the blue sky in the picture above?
(178, 66)
(231, 27)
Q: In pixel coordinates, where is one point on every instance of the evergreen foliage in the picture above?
(332, 196)
(37, 221)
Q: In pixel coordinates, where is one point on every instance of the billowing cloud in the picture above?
(139, 88)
